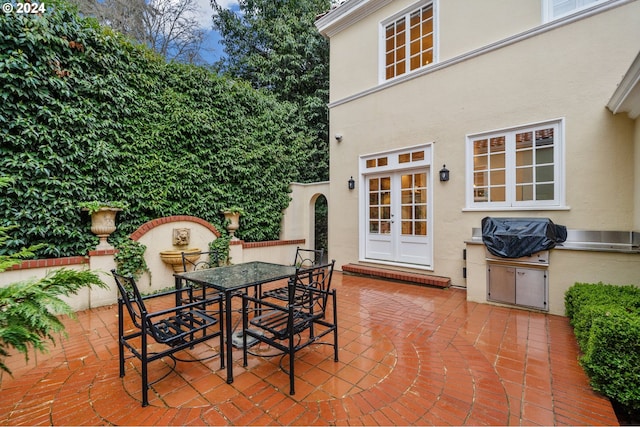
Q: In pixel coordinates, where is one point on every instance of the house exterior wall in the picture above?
(354, 63)
(636, 145)
(554, 71)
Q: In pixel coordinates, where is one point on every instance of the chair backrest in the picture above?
(191, 260)
(309, 288)
(308, 257)
(130, 296)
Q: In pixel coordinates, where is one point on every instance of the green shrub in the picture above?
(606, 321)
(612, 356)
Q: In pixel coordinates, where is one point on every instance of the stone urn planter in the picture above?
(233, 217)
(174, 258)
(103, 223)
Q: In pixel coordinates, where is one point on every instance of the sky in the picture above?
(212, 50)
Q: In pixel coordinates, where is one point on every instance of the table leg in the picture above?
(227, 321)
(178, 285)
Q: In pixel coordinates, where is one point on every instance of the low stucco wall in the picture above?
(157, 236)
(566, 267)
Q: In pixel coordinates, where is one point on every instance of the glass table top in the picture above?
(239, 276)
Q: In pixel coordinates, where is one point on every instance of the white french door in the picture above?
(397, 221)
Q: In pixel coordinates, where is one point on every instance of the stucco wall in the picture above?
(636, 145)
(299, 218)
(569, 72)
(463, 26)
(566, 267)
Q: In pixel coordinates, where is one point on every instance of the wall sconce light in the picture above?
(444, 173)
(352, 183)
(338, 137)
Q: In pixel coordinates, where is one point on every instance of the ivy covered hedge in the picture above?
(606, 321)
(88, 115)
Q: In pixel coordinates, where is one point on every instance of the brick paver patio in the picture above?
(409, 355)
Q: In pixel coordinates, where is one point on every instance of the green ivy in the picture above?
(130, 258)
(87, 115)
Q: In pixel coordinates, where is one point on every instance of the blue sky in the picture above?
(212, 50)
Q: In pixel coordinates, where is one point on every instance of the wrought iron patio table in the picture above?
(229, 280)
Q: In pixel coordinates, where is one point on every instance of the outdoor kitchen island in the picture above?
(586, 257)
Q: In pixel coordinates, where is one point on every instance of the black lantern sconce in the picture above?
(352, 183)
(444, 173)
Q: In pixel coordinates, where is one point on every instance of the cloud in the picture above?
(205, 11)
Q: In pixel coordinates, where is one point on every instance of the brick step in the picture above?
(402, 276)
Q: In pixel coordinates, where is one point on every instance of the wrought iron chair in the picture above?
(282, 325)
(178, 327)
(189, 263)
(304, 259)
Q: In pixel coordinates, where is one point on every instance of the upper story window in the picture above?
(516, 168)
(409, 41)
(554, 9)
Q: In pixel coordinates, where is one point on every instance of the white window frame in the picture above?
(580, 5)
(510, 169)
(382, 40)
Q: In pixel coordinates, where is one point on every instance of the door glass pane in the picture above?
(386, 197)
(407, 212)
(385, 212)
(420, 228)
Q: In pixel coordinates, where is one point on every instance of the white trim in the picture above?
(346, 15)
(547, 9)
(626, 97)
(541, 29)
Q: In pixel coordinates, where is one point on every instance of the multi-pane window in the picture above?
(516, 168)
(380, 205)
(409, 42)
(558, 8)
(414, 204)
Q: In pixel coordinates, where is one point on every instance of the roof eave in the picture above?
(626, 98)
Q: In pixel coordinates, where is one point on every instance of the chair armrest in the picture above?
(185, 307)
(264, 302)
(167, 292)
